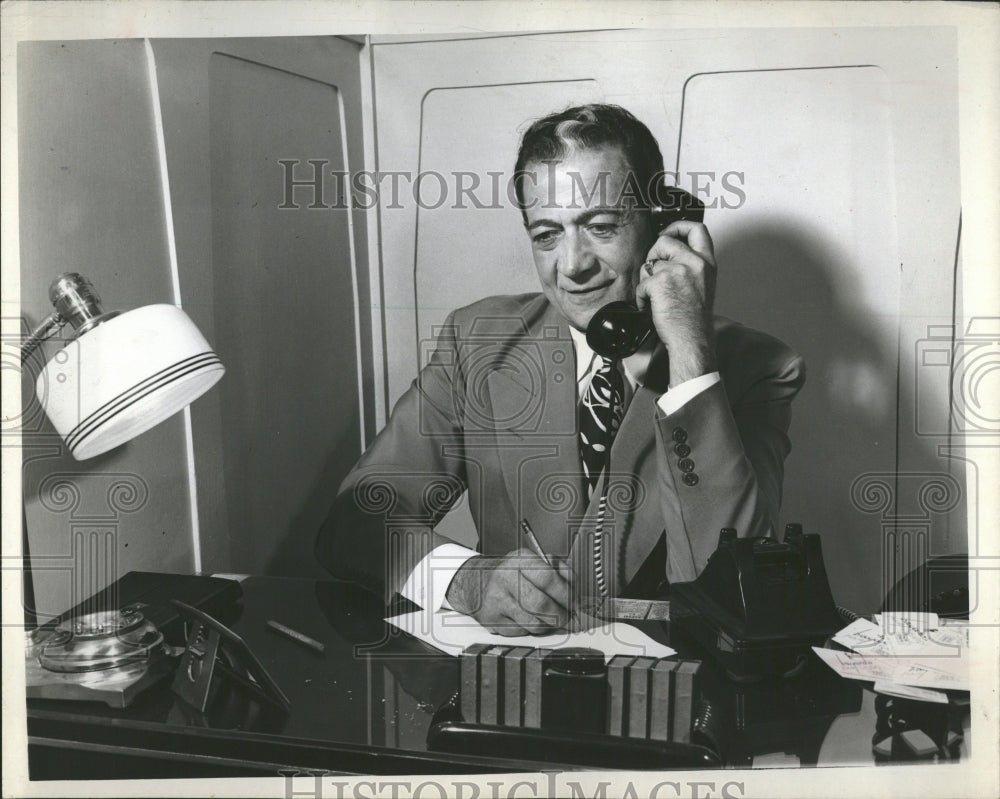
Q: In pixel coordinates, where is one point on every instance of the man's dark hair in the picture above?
(590, 127)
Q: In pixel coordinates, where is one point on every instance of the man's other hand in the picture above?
(516, 594)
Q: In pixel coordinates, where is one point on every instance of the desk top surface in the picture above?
(371, 695)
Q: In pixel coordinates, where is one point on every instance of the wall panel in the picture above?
(281, 289)
(285, 323)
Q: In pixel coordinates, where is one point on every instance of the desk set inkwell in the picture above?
(107, 656)
(94, 653)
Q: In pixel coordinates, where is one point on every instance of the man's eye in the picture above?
(603, 230)
(545, 239)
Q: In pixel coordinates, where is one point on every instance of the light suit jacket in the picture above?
(494, 412)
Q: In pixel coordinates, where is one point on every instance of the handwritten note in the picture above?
(903, 650)
(903, 640)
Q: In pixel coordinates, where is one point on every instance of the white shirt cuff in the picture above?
(680, 395)
(429, 581)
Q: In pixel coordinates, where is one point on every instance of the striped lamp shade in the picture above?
(125, 376)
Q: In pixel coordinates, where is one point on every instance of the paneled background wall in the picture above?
(154, 168)
(105, 127)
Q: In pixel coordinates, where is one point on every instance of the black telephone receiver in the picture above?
(618, 329)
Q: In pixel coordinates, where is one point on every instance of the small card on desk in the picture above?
(635, 609)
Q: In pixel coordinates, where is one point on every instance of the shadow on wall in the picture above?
(293, 556)
(844, 420)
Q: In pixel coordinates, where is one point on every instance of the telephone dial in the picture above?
(618, 329)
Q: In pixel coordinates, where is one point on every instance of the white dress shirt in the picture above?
(428, 583)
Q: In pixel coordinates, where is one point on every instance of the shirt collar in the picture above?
(636, 365)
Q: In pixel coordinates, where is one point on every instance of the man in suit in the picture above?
(697, 419)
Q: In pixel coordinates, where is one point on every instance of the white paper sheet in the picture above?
(903, 640)
(452, 632)
(911, 692)
(944, 673)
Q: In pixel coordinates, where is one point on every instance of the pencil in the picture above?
(533, 542)
(295, 635)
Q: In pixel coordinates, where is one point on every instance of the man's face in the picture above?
(588, 243)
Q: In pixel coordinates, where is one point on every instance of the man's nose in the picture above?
(577, 260)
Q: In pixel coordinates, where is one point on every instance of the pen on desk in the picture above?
(295, 635)
(533, 542)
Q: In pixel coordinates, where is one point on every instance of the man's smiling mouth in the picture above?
(586, 291)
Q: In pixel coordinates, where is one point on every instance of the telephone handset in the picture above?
(618, 329)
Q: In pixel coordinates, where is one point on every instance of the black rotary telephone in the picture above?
(618, 329)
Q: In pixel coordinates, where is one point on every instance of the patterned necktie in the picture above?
(601, 412)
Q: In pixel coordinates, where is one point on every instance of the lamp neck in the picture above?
(77, 303)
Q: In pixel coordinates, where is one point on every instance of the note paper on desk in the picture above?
(452, 632)
(903, 649)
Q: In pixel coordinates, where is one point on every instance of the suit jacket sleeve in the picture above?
(737, 433)
(381, 523)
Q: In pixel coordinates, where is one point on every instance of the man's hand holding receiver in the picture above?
(677, 282)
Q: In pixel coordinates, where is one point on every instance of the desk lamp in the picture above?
(119, 376)
(122, 373)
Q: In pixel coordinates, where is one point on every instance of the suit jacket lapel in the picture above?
(533, 399)
(533, 396)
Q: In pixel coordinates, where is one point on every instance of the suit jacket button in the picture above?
(679, 435)
(682, 450)
(685, 465)
(690, 479)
